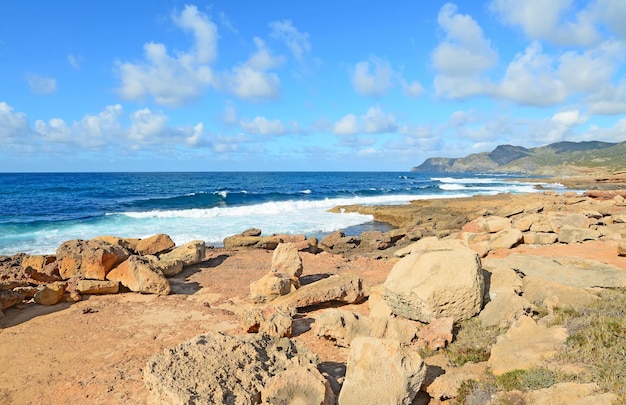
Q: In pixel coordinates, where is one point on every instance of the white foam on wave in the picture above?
(470, 180)
(307, 191)
(223, 194)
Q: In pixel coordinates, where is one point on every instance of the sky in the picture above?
(166, 85)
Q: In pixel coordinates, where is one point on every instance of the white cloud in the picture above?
(373, 78)
(547, 20)
(413, 89)
(13, 125)
(348, 125)
(374, 121)
(41, 84)
(612, 13)
(462, 57)
(74, 61)
(250, 80)
(263, 126)
(147, 126)
(296, 41)
(173, 80)
(569, 118)
(531, 79)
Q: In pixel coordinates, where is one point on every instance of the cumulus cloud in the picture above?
(372, 78)
(178, 79)
(348, 125)
(229, 115)
(374, 121)
(463, 55)
(13, 125)
(297, 42)
(569, 118)
(263, 126)
(412, 89)
(41, 84)
(548, 20)
(251, 80)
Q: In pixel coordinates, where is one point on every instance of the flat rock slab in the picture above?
(216, 368)
(524, 346)
(572, 271)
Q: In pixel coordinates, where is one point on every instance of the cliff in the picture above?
(564, 158)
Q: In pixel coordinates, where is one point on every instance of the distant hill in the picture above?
(562, 158)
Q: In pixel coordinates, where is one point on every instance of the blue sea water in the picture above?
(39, 211)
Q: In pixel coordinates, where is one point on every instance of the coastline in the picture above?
(95, 363)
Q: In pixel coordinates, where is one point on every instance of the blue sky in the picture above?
(253, 86)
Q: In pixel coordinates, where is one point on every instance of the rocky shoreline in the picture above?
(312, 319)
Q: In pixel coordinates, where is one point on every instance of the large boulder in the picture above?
(573, 234)
(10, 298)
(381, 371)
(189, 253)
(169, 267)
(139, 275)
(90, 259)
(252, 242)
(506, 239)
(97, 287)
(435, 284)
(215, 368)
(286, 259)
(155, 244)
(345, 288)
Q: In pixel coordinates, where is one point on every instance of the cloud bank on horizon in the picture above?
(298, 86)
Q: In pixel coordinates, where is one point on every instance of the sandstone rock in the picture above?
(97, 287)
(50, 294)
(430, 243)
(286, 259)
(524, 346)
(303, 385)
(90, 259)
(436, 284)
(493, 224)
(169, 267)
(502, 280)
(252, 242)
(138, 275)
(447, 385)
(341, 327)
(508, 211)
(398, 329)
(437, 334)
(346, 288)
(572, 234)
(376, 240)
(553, 294)
(572, 271)
(621, 248)
(251, 232)
(215, 368)
(154, 245)
(328, 242)
(10, 298)
(376, 302)
(540, 238)
(269, 287)
(504, 309)
(381, 371)
(541, 224)
(37, 262)
(189, 253)
(523, 224)
(251, 319)
(506, 239)
(570, 393)
(277, 321)
(127, 243)
(559, 219)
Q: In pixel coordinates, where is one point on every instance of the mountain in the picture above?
(558, 158)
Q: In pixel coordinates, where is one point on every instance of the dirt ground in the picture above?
(94, 351)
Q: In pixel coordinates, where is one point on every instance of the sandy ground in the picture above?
(94, 351)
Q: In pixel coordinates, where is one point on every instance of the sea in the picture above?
(39, 211)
